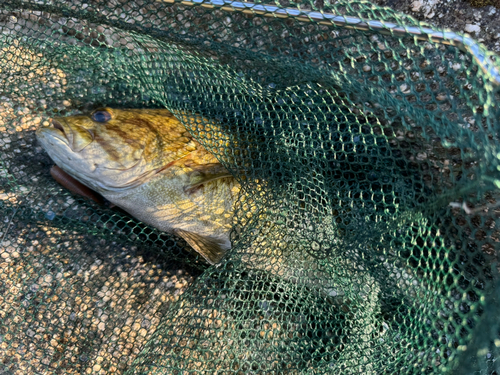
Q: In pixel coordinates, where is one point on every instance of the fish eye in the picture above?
(101, 115)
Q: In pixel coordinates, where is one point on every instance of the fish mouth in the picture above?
(54, 132)
(74, 136)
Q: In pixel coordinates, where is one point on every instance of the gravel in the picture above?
(477, 18)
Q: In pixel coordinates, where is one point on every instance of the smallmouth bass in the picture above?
(146, 162)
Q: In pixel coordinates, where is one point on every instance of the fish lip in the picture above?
(67, 133)
(62, 129)
(47, 132)
(56, 131)
(57, 125)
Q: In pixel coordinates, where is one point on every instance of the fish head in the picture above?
(113, 149)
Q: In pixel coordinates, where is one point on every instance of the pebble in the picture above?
(416, 5)
(471, 28)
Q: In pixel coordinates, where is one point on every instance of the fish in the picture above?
(145, 162)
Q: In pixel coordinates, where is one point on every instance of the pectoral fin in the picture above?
(205, 173)
(209, 248)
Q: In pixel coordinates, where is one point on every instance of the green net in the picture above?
(365, 234)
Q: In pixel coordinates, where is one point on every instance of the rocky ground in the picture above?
(479, 18)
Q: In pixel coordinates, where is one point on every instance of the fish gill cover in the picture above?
(365, 236)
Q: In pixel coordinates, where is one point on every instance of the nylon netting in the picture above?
(365, 236)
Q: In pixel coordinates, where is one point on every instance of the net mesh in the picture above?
(365, 236)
